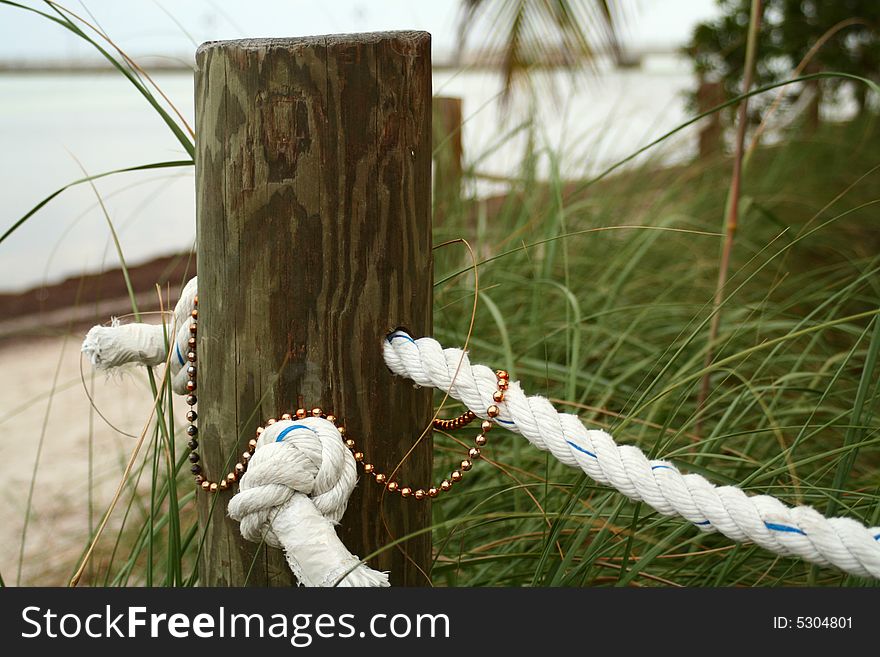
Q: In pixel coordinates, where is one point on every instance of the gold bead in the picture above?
(317, 412)
(331, 418)
(380, 478)
(433, 492)
(392, 486)
(214, 488)
(406, 491)
(341, 430)
(481, 440)
(474, 453)
(206, 485)
(493, 411)
(300, 413)
(271, 420)
(252, 444)
(498, 396)
(502, 384)
(445, 485)
(368, 468)
(231, 477)
(419, 494)
(286, 416)
(223, 484)
(502, 374)
(260, 430)
(486, 426)
(358, 456)
(456, 475)
(466, 465)
(194, 314)
(349, 443)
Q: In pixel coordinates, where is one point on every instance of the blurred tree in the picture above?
(791, 32)
(528, 33)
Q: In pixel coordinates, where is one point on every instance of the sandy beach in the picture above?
(52, 435)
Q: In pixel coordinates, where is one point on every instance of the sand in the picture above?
(75, 440)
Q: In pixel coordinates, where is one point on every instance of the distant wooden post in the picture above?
(313, 185)
(448, 155)
(711, 139)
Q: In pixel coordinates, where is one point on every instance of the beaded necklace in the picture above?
(390, 485)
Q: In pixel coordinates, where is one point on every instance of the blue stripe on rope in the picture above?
(705, 522)
(179, 355)
(784, 528)
(400, 335)
(663, 467)
(877, 537)
(287, 430)
(498, 419)
(581, 449)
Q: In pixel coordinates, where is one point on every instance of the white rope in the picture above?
(790, 531)
(112, 347)
(299, 479)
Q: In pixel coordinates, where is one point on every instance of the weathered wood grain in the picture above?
(313, 179)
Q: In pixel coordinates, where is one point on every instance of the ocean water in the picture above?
(55, 127)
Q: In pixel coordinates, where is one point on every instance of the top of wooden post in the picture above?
(414, 37)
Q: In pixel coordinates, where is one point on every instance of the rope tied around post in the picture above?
(301, 474)
(299, 479)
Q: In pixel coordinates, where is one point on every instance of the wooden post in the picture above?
(448, 155)
(313, 185)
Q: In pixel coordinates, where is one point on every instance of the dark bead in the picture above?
(192, 430)
(191, 370)
(191, 400)
(191, 416)
(196, 469)
(193, 444)
(193, 458)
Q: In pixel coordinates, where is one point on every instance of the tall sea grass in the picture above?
(598, 293)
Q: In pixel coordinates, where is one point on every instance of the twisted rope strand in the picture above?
(790, 531)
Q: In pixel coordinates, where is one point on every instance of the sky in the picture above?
(172, 29)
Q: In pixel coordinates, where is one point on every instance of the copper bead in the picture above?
(286, 416)
(466, 465)
(433, 492)
(380, 479)
(300, 413)
(406, 491)
(481, 440)
(392, 486)
(445, 485)
(419, 494)
(493, 411)
(368, 468)
(498, 396)
(474, 453)
(456, 475)
(359, 456)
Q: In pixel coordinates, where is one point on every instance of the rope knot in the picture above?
(305, 456)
